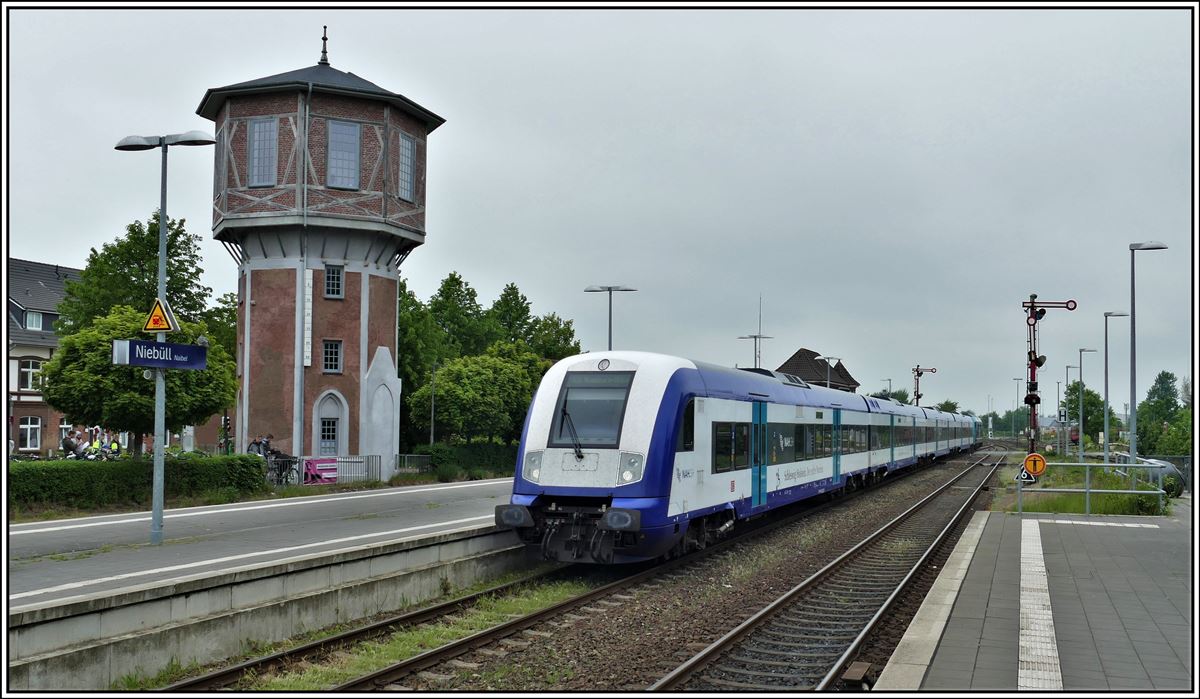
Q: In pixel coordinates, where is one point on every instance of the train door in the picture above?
(892, 439)
(758, 455)
(837, 445)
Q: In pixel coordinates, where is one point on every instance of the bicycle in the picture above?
(281, 469)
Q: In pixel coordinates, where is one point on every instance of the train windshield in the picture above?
(590, 409)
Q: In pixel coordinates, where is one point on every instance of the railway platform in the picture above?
(1057, 602)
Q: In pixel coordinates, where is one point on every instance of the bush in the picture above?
(89, 484)
(447, 473)
(481, 457)
(1173, 484)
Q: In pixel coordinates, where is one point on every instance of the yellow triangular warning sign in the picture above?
(161, 319)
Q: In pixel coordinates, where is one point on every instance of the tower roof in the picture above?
(324, 78)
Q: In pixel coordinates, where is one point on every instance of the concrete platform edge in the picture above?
(907, 666)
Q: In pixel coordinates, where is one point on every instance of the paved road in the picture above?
(59, 559)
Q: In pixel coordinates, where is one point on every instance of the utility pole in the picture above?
(758, 336)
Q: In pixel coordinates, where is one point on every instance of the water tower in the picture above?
(319, 196)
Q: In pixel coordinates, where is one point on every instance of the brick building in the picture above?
(34, 292)
(319, 195)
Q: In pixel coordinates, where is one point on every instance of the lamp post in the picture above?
(827, 365)
(609, 289)
(1107, 315)
(1081, 351)
(130, 143)
(1067, 423)
(889, 387)
(1015, 404)
(1057, 413)
(432, 399)
(1134, 247)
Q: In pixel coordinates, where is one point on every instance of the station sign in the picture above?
(163, 355)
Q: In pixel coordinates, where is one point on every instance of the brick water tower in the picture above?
(319, 195)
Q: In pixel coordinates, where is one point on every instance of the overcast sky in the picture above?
(894, 183)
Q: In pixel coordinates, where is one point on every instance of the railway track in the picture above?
(511, 632)
(804, 639)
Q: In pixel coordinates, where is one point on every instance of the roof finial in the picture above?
(324, 38)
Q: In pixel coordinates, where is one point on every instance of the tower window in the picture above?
(332, 363)
(333, 282)
(329, 436)
(264, 149)
(343, 155)
(406, 189)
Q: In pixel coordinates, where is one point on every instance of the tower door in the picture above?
(758, 454)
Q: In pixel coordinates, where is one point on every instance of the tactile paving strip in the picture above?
(1038, 649)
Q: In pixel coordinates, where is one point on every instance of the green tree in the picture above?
(421, 344)
(533, 368)
(84, 384)
(125, 273)
(510, 313)
(1155, 414)
(1093, 412)
(456, 310)
(1177, 440)
(221, 320)
(948, 406)
(473, 398)
(553, 337)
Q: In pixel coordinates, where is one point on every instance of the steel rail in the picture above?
(436, 656)
(228, 676)
(689, 668)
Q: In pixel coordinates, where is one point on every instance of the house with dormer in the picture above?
(34, 291)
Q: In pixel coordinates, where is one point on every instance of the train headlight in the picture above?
(532, 470)
(617, 519)
(630, 468)
(513, 516)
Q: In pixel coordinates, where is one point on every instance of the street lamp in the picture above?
(130, 143)
(1081, 402)
(889, 387)
(1134, 247)
(1067, 423)
(826, 360)
(609, 289)
(1013, 426)
(1107, 315)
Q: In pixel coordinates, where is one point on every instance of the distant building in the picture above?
(34, 292)
(804, 363)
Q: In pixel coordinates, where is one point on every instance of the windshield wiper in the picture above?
(571, 426)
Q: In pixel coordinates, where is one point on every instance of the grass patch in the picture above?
(173, 672)
(373, 655)
(1073, 503)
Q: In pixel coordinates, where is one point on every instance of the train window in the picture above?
(781, 448)
(804, 442)
(590, 409)
(687, 431)
(731, 446)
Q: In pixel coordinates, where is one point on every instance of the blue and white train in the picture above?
(627, 456)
